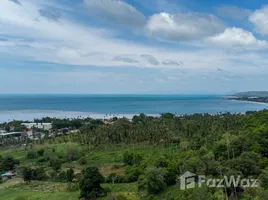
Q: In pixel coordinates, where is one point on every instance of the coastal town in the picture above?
(252, 96)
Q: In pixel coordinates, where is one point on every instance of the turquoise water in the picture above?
(35, 106)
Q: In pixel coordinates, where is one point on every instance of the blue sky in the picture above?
(133, 46)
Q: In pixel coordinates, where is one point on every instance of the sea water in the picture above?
(28, 107)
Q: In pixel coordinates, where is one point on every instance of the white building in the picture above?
(45, 126)
(2, 131)
(12, 134)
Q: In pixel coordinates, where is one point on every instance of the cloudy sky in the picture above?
(133, 46)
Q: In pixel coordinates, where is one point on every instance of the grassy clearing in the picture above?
(37, 190)
(109, 159)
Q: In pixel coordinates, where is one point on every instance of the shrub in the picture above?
(131, 158)
(90, 184)
(72, 154)
(72, 187)
(27, 174)
(133, 173)
(61, 176)
(153, 180)
(39, 174)
(82, 161)
(55, 163)
(264, 178)
(115, 178)
(41, 152)
(161, 162)
(70, 175)
(9, 163)
(43, 159)
(31, 155)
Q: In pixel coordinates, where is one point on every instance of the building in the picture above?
(13, 134)
(12, 128)
(8, 175)
(2, 131)
(44, 126)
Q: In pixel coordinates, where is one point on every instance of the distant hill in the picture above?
(252, 94)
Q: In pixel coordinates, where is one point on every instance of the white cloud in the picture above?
(237, 38)
(233, 12)
(259, 18)
(65, 41)
(183, 27)
(116, 11)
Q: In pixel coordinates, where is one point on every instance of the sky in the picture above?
(133, 46)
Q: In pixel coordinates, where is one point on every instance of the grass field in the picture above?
(37, 190)
(104, 158)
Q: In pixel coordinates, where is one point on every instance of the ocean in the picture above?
(28, 107)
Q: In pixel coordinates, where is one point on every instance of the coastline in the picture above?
(247, 101)
(30, 115)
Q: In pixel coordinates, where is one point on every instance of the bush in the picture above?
(131, 158)
(115, 178)
(70, 175)
(161, 162)
(133, 173)
(31, 155)
(55, 163)
(39, 174)
(82, 161)
(27, 174)
(9, 163)
(61, 176)
(90, 184)
(43, 159)
(153, 180)
(41, 152)
(72, 154)
(72, 187)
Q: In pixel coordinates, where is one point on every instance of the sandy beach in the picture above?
(30, 115)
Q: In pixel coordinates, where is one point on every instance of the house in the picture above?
(2, 131)
(44, 126)
(12, 134)
(12, 128)
(29, 133)
(8, 175)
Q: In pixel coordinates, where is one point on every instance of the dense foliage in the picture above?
(158, 150)
(90, 184)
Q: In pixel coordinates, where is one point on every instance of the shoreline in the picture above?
(247, 101)
(30, 115)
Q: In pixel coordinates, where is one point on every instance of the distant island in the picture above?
(253, 96)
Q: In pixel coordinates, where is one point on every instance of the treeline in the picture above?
(211, 145)
(197, 129)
